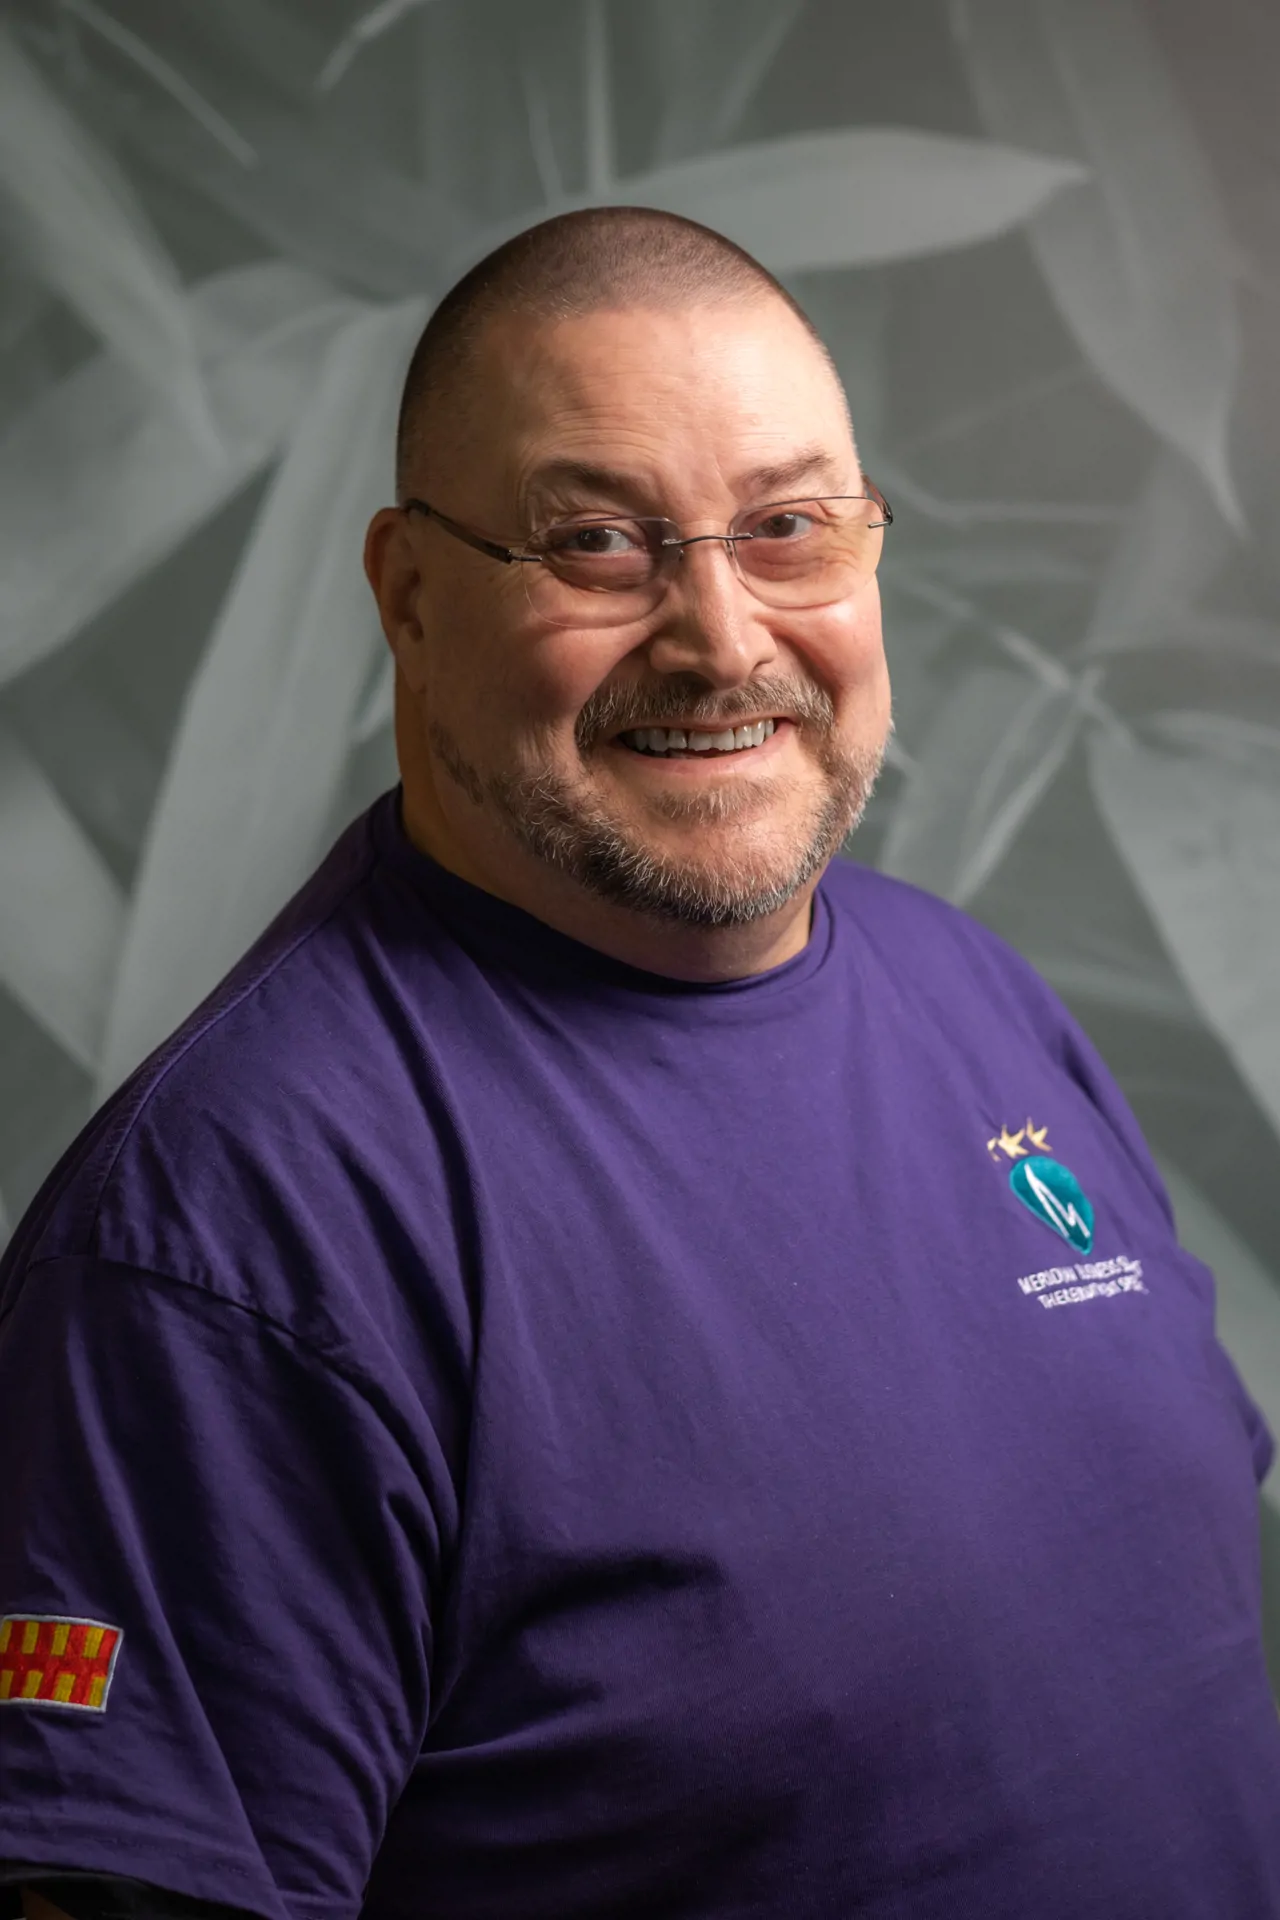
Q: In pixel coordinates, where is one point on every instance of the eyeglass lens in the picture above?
(795, 553)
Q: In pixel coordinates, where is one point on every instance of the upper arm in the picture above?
(265, 1548)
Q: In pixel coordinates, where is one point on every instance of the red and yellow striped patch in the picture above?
(56, 1661)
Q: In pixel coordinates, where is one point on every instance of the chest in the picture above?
(787, 1359)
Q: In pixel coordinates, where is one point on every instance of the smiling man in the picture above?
(564, 703)
(620, 1364)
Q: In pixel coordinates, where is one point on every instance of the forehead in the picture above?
(683, 400)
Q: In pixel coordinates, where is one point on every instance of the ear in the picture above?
(393, 570)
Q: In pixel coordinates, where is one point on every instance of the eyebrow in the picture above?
(810, 462)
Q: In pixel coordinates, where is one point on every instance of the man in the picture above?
(618, 1365)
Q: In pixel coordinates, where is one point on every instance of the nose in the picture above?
(711, 622)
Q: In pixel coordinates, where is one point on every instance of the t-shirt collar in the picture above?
(517, 939)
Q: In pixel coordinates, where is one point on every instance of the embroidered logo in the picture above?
(57, 1662)
(1043, 1185)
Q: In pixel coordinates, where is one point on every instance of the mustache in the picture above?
(619, 709)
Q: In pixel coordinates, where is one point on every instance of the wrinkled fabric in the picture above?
(561, 1441)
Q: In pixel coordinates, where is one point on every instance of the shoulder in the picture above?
(977, 994)
(242, 1155)
(938, 951)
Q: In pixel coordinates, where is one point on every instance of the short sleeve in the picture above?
(254, 1544)
(1261, 1439)
(1093, 1074)
(1094, 1077)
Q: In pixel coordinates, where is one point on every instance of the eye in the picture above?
(593, 541)
(790, 524)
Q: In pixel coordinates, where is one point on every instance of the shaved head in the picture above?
(589, 261)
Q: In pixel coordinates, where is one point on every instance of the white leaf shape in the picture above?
(76, 215)
(63, 914)
(1247, 1319)
(1173, 543)
(99, 480)
(847, 197)
(1199, 832)
(366, 28)
(1250, 744)
(267, 726)
(1119, 987)
(856, 196)
(993, 749)
(331, 204)
(1138, 260)
(159, 71)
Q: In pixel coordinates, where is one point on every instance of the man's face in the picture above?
(520, 724)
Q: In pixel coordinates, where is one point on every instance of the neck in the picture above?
(705, 955)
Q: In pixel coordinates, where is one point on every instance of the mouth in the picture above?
(743, 741)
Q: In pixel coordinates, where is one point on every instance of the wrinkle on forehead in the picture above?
(813, 470)
(654, 399)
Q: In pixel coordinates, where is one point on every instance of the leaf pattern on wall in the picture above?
(1195, 813)
(1138, 258)
(717, 57)
(991, 753)
(1171, 546)
(100, 478)
(857, 196)
(63, 915)
(73, 212)
(1247, 1319)
(266, 730)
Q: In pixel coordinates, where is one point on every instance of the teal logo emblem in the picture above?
(1052, 1192)
(1044, 1186)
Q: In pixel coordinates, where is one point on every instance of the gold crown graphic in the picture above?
(1011, 1144)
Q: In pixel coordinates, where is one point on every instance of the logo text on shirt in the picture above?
(1087, 1280)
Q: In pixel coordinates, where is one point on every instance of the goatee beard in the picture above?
(608, 858)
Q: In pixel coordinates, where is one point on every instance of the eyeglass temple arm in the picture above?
(873, 493)
(476, 540)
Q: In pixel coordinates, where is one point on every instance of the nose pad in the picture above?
(724, 540)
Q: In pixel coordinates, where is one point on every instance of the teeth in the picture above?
(672, 739)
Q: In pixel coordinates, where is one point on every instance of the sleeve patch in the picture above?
(50, 1660)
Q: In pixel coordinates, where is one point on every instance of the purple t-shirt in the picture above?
(557, 1442)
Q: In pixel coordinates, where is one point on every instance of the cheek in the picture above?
(519, 692)
(567, 669)
(843, 648)
(481, 646)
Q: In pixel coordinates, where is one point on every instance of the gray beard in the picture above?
(581, 839)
